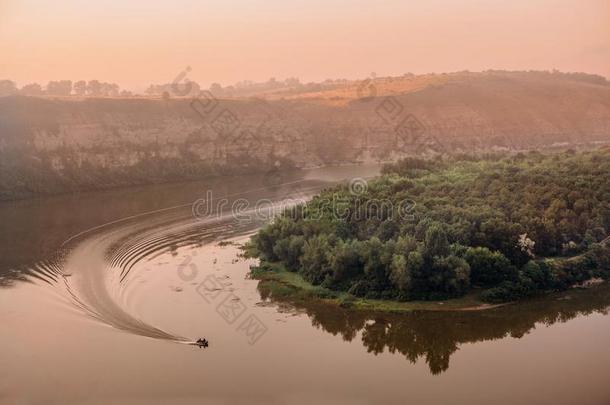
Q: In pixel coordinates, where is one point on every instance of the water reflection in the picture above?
(435, 336)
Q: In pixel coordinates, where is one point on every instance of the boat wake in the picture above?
(94, 269)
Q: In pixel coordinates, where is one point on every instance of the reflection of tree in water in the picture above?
(435, 336)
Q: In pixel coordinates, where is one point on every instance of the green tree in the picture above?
(436, 242)
(372, 257)
(289, 250)
(399, 273)
(450, 277)
(345, 261)
(489, 268)
(315, 263)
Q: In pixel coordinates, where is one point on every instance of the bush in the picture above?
(507, 291)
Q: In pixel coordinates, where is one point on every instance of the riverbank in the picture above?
(279, 283)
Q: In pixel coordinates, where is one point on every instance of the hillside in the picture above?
(58, 145)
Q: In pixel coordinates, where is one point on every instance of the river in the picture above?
(103, 293)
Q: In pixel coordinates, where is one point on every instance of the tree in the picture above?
(292, 82)
(94, 88)
(195, 89)
(59, 88)
(436, 242)
(539, 274)
(109, 89)
(315, 259)
(526, 244)
(450, 277)
(264, 243)
(289, 250)
(345, 261)
(489, 268)
(371, 257)
(7, 88)
(80, 88)
(399, 273)
(415, 262)
(388, 229)
(216, 89)
(32, 89)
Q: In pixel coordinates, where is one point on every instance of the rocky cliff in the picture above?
(57, 145)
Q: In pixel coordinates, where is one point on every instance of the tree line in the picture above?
(91, 88)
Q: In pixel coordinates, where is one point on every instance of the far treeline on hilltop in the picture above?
(501, 227)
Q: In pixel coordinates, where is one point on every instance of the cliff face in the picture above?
(54, 145)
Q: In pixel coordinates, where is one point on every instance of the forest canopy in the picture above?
(507, 226)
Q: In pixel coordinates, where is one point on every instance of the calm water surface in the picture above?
(102, 293)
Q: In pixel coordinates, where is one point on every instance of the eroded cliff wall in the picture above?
(54, 145)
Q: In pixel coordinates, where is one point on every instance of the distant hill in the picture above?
(341, 91)
(55, 145)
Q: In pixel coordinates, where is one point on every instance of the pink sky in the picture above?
(138, 42)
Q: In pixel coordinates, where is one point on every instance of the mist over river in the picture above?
(102, 295)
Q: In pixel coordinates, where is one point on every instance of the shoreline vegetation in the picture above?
(481, 232)
(286, 285)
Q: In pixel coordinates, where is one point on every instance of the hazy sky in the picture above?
(136, 42)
